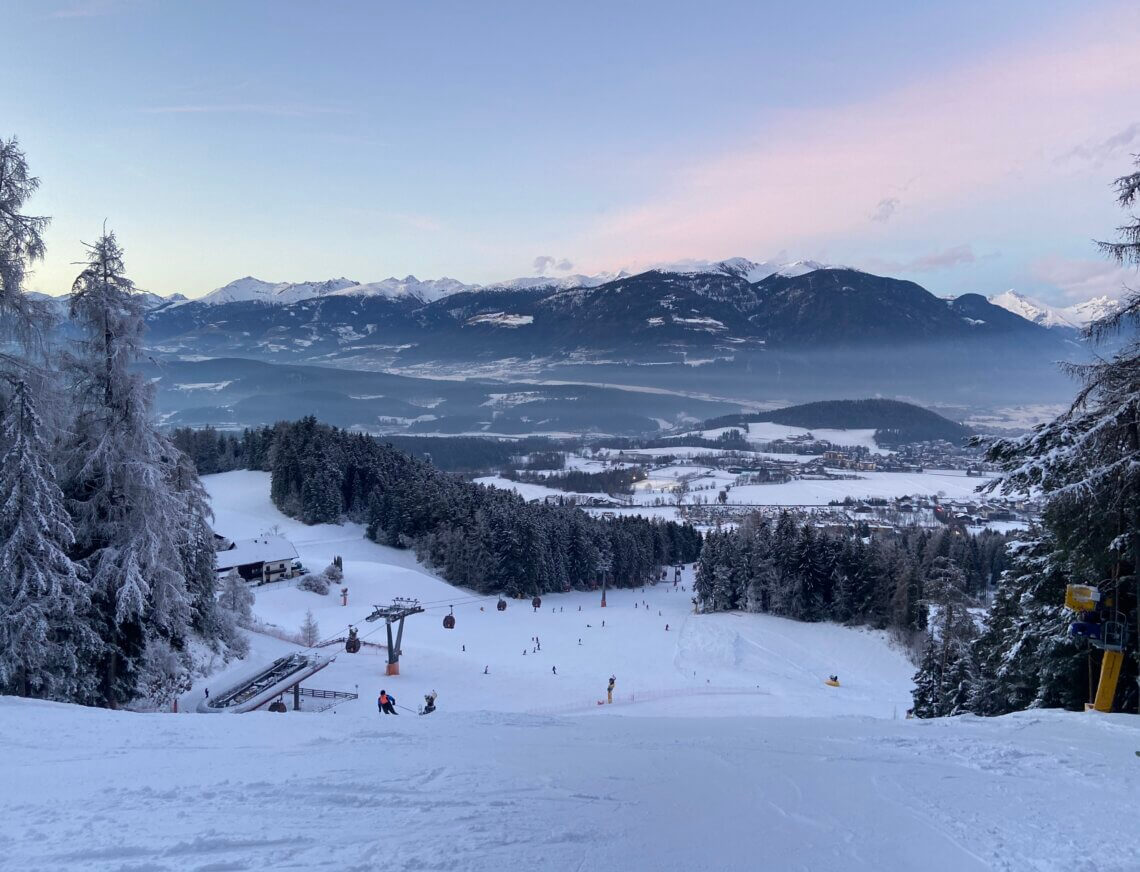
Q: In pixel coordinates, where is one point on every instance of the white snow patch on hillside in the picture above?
(204, 386)
(766, 431)
(502, 319)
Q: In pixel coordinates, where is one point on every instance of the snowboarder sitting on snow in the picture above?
(429, 702)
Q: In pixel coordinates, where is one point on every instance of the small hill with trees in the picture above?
(893, 421)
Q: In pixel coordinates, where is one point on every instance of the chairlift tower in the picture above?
(401, 607)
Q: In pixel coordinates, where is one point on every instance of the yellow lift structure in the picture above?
(1108, 635)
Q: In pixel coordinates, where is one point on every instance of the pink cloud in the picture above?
(1084, 279)
(986, 133)
(955, 256)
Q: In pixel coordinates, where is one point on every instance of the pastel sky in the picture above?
(967, 145)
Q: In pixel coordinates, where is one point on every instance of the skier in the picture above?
(486, 670)
(553, 670)
(579, 641)
(610, 689)
(207, 693)
(381, 702)
(464, 649)
(666, 628)
(387, 703)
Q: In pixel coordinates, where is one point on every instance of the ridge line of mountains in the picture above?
(652, 317)
(249, 289)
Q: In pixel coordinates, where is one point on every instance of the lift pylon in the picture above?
(395, 614)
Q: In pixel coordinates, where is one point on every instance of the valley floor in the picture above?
(723, 749)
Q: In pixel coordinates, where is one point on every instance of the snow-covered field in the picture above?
(704, 482)
(723, 749)
(766, 431)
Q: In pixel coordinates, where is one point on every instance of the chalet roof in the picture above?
(266, 548)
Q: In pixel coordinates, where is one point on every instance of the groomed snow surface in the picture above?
(723, 748)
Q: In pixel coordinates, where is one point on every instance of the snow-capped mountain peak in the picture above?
(1032, 310)
(428, 291)
(250, 288)
(741, 267)
(1092, 310)
(1073, 317)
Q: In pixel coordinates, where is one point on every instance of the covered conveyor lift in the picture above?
(255, 689)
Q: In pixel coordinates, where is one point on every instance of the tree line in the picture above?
(607, 481)
(796, 570)
(214, 450)
(487, 539)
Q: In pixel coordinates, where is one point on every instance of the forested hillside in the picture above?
(797, 570)
(214, 450)
(483, 538)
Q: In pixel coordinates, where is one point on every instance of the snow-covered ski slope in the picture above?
(780, 663)
(731, 755)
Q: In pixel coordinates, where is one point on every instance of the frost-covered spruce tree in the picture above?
(310, 630)
(237, 598)
(1025, 657)
(44, 637)
(140, 539)
(1087, 464)
(944, 681)
(21, 244)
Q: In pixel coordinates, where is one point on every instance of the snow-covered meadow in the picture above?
(723, 748)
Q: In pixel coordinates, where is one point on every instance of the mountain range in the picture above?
(739, 331)
(428, 291)
(410, 288)
(660, 316)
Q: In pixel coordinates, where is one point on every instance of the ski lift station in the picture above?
(263, 559)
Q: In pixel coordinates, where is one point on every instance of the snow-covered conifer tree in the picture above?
(237, 598)
(21, 244)
(1087, 463)
(139, 520)
(44, 639)
(943, 685)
